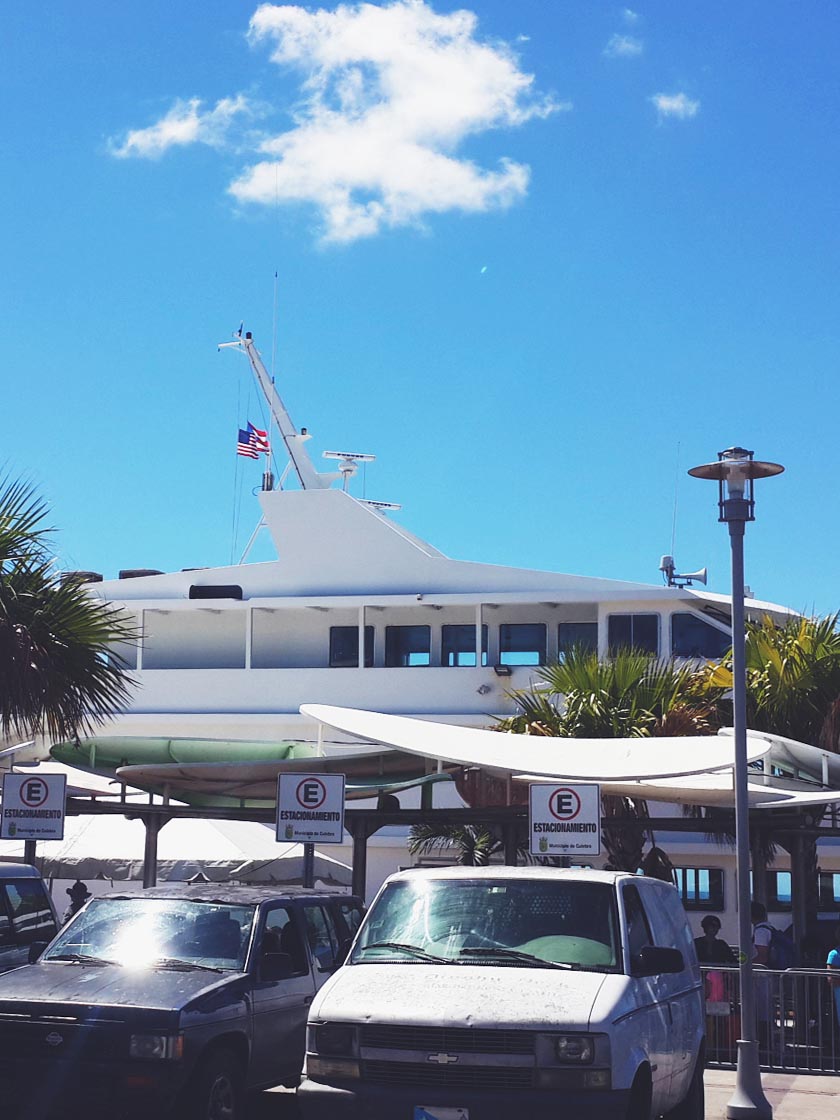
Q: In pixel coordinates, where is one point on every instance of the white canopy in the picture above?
(594, 760)
(111, 847)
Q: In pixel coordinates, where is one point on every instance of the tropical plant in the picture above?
(59, 675)
(473, 845)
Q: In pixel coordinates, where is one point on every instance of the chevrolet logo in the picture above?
(54, 1039)
(442, 1059)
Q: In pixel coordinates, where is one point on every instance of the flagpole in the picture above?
(276, 314)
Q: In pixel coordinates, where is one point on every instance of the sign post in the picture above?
(33, 807)
(564, 820)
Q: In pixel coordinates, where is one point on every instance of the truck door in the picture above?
(323, 939)
(280, 1006)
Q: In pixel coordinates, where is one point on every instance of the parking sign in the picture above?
(564, 819)
(310, 808)
(33, 807)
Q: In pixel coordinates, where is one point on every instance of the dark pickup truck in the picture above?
(177, 998)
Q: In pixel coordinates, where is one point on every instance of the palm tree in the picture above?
(58, 673)
(793, 689)
(630, 694)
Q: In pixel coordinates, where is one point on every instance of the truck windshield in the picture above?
(143, 933)
(492, 921)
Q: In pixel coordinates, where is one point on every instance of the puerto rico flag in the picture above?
(252, 442)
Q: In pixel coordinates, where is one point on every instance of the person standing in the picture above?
(833, 965)
(712, 949)
(79, 894)
(762, 936)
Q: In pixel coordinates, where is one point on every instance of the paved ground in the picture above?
(792, 1096)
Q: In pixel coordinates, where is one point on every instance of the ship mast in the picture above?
(308, 476)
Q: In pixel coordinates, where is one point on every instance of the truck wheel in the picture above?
(693, 1104)
(640, 1097)
(216, 1089)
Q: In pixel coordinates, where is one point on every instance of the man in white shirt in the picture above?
(762, 935)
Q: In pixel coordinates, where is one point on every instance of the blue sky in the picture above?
(539, 260)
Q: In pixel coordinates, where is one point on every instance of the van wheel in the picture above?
(640, 1097)
(215, 1092)
(693, 1104)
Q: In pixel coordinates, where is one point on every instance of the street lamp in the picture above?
(735, 472)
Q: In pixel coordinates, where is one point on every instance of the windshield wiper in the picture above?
(415, 950)
(515, 955)
(185, 966)
(77, 958)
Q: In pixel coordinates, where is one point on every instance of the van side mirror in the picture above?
(36, 948)
(656, 960)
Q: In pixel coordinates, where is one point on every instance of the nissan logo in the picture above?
(442, 1059)
(54, 1039)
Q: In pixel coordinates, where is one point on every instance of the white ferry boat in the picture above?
(356, 611)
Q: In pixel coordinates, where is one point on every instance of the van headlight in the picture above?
(332, 1051)
(574, 1049)
(156, 1047)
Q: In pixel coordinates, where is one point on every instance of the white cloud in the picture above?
(623, 46)
(629, 16)
(185, 123)
(677, 105)
(389, 94)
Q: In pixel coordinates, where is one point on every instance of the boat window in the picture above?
(634, 631)
(522, 643)
(457, 645)
(692, 636)
(344, 647)
(779, 890)
(829, 889)
(407, 645)
(701, 888)
(577, 635)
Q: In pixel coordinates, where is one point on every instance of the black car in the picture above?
(178, 997)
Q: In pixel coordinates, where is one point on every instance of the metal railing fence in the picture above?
(797, 1013)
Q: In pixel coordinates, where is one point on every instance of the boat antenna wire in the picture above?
(676, 493)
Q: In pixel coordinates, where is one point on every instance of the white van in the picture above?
(486, 993)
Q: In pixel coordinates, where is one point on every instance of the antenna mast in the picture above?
(309, 478)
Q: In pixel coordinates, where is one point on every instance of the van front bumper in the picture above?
(319, 1101)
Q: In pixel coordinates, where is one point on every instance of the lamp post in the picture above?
(735, 472)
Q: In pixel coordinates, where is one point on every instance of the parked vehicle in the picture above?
(179, 996)
(27, 913)
(482, 993)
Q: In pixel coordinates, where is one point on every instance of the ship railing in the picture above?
(797, 1017)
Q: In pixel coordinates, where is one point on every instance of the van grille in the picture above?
(466, 1040)
(449, 1077)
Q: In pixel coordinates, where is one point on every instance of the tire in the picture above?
(216, 1090)
(693, 1104)
(640, 1097)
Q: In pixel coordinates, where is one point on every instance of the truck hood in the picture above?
(460, 996)
(109, 985)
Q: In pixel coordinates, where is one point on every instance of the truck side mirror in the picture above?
(656, 960)
(36, 948)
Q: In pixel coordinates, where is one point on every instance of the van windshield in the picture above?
(546, 922)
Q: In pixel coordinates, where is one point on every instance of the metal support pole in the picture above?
(29, 848)
(748, 1101)
(360, 839)
(308, 871)
(153, 826)
(509, 836)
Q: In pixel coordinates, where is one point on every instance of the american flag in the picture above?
(252, 442)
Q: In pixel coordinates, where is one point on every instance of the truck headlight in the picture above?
(574, 1049)
(156, 1047)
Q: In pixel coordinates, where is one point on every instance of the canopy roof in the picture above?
(112, 846)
